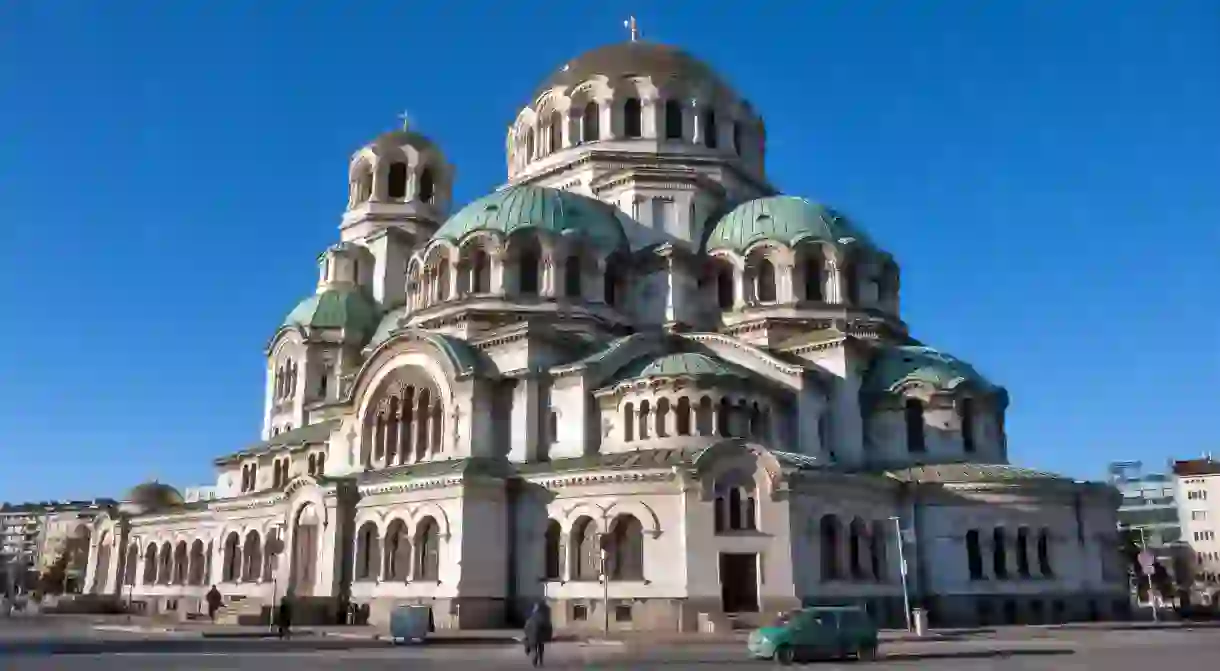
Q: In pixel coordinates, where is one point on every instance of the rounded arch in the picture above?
(442, 358)
(583, 509)
(706, 460)
(368, 515)
(430, 508)
(647, 517)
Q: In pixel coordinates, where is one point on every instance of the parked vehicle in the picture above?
(820, 632)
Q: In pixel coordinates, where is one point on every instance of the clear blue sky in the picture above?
(1045, 172)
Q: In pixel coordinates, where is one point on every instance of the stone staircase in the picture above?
(244, 611)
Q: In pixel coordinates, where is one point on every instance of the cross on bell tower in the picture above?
(631, 25)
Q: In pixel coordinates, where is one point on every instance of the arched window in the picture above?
(813, 280)
(645, 412)
(368, 549)
(150, 564)
(590, 123)
(876, 551)
(683, 416)
(312, 464)
(253, 556)
(724, 427)
(556, 131)
(914, 422)
(974, 554)
(999, 554)
(737, 137)
(965, 410)
(724, 289)
(829, 535)
(628, 422)
(765, 281)
(626, 548)
(1023, 552)
(396, 181)
(709, 129)
(321, 464)
(610, 283)
(632, 118)
(130, 565)
(480, 272)
(1044, 554)
(587, 559)
(527, 271)
(851, 284)
(572, 279)
(554, 551)
(662, 418)
(856, 541)
(673, 120)
(232, 558)
(736, 507)
(180, 564)
(529, 144)
(427, 543)
(397, 551)
(427, 185)
(703, 417)
(442, 280)
(165, 571)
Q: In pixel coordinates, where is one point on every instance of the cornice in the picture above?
(625, 160)
(587, 478)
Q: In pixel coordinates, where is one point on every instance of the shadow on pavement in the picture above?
(973, 654)
(186, 646)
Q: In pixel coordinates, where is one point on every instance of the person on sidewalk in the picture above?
(214, 601)
(538, 631)
(284, 620)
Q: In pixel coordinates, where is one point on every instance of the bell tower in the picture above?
(399, 192)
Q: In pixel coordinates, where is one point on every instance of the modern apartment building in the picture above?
(1148, 516)
(29, 531)
(1198, 484)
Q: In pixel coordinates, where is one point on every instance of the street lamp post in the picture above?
(1147, 564)
(902, 569)
(605, 556)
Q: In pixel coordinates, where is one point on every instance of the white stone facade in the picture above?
(635, 361)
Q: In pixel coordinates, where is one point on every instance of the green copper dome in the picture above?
(687, 364)
(785, 219)
(337, 308)
(896, 366)
(560, 212)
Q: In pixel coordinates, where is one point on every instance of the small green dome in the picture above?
(153, 495)
(686, 364)
(785, 219)
(525, 206)
(896, 366)
(337, 308)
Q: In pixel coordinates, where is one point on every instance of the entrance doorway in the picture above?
(305, 551)
(739, 582)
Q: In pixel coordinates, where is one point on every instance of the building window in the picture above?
(427, 186)
(396, 187)
(590, 130)
(673, 120)
(622, 612)
(554, 551)
(914, 423)
(765, 288)
(966, 411)
(632, 118)
(572, 277)
(974, 554)
(1198, 515)
(709, 129)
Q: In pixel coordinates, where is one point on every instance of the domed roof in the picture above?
(527, 206)
(402, 138)
(685, 364)
(345, 308)
(154, 494)
(785, 219)
(625, 59)
(897, 366)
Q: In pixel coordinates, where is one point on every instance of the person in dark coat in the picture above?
(214, 602)
(284, 620)
(538, 632)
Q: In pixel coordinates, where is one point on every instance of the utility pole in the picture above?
(1148, 571)
(902, 570)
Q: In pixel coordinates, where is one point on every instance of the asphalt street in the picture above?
(29, 647)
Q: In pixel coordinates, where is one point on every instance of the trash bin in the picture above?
(410, 624)
(919, 617)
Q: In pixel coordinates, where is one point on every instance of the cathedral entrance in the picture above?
(305, 551)
(739, 582)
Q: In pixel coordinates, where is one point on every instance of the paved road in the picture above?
(29, 648)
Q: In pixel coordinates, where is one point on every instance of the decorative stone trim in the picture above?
(585, 478)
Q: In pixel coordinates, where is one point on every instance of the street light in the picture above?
(1148, 564)
(902, 569)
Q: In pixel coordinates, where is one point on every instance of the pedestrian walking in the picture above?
(214, 602)
(538, 631)
(285, 616)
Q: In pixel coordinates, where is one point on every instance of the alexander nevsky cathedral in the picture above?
(635, 381)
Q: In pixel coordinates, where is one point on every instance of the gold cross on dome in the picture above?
(406, 120)
(630, 24)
